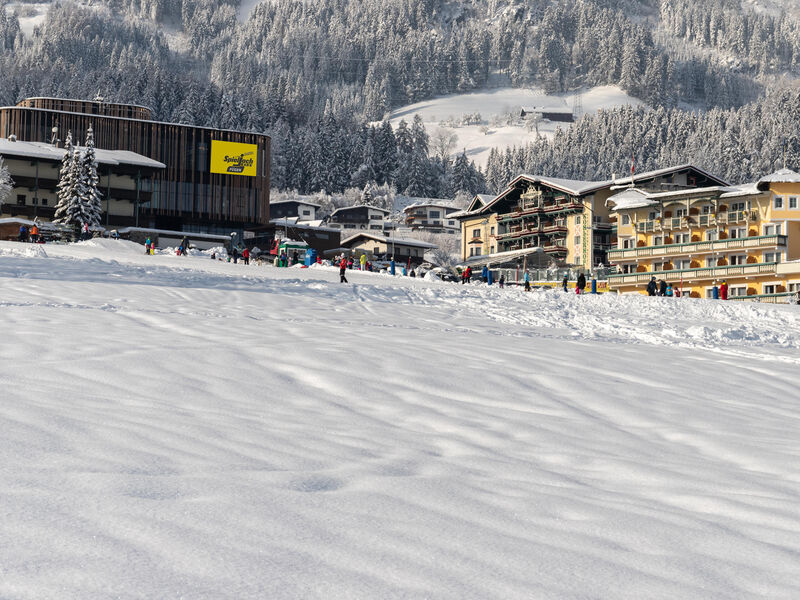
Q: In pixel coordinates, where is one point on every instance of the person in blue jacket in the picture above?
(527, 282)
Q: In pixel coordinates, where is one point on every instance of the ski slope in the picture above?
(187, 428)
(493, 106)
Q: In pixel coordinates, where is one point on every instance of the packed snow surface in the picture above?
(494, 106)
(177, 427)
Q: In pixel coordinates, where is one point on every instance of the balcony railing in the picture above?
(760, 241)
(688, 275)
(738, 216)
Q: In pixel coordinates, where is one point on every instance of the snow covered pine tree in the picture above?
(78, 196)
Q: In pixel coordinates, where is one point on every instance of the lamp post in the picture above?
(233, 241)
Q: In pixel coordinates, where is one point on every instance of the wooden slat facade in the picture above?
(183, 194)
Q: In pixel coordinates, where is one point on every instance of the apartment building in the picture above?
(568, 219)
(695, 238)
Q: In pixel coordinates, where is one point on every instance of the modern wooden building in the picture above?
(214, 180)
(35, 167)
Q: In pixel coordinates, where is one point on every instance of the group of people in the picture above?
(349, 262)
(662, 288)
(580, 284)
(30, 235)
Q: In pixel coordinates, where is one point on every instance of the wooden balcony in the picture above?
(752, 243)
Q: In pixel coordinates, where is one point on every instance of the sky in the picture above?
(188, 428)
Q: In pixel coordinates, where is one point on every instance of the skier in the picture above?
(147, 246)
(86, 234)
(581, 284)
(184, 245)
(246, 256)
(295, 257)
(669, 293)
(564, 283)
(23, 234)
(662, 287)
(723, 290)
(485, 274)
(651, 287)
(502, 281)
(35, 232)
(527, 282)
(342, 271)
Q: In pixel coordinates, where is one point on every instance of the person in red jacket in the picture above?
(723, 290)
(246, 256)
(342, 270)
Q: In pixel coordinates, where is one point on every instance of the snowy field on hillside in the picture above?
(493, 105)
(177, 427)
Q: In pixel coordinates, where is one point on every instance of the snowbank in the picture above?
(177, 426)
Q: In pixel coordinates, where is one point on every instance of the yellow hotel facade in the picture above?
(697, 238)
(567, 219)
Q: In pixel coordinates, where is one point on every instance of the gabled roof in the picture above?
(781, 176)
(638, 198)
(388, 240)
(638, 177)
(581, 188)
(344, 208)
(295, 200)
(432, 204)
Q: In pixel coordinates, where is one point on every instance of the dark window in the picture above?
(44, 201)
(21, 199)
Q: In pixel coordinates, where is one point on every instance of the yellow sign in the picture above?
(233, 158)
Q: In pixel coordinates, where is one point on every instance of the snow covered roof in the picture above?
(189, 234)
(501, 257)
(630, 198)
(344, 208)
(389, 240)
(781, 176)
(295, 224)
(432, 204)
(665, 171)
(638, 198)
(44, 151)
(575, 187)
(550, 109)
(297, 200)
(46, 225)
(747, 189)
(103, 102)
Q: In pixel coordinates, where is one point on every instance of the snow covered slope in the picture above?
(494, 106)
(181, 427)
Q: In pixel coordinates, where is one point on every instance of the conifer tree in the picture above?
(90, 195)
(6, 184)
(67, 210)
